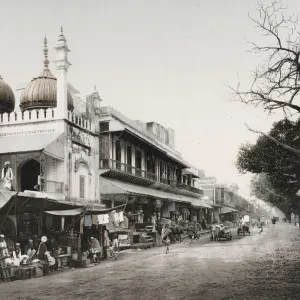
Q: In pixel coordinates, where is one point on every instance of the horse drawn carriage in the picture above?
(219, 233)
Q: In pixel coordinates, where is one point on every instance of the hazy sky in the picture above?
(163, 61)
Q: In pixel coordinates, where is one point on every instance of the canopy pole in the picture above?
(41, 214)
(16, 235)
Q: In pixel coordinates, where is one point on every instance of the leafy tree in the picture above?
(275, 86)
(274, 164)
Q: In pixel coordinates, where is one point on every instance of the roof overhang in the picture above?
(117, 188)
(51, 143)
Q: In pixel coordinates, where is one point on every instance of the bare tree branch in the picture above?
(276, 82)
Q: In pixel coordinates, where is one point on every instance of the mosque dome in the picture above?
(7, 98)
(41, 91)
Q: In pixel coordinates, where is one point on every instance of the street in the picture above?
(261, 267)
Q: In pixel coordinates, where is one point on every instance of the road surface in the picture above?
(265, 266)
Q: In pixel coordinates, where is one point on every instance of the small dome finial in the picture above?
(95, 88)
(46, 61)
(61, 29)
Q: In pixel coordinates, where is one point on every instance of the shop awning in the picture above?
(227, 210)
(51, 143)
(113, 186)
(5, 196)
(69, 212)
(200, 203)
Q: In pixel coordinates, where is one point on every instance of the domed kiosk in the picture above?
(41, 91)
(7, 98)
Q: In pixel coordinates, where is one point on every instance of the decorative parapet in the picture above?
(39, 115)
(80, 121)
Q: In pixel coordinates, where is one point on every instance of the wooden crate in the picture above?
(80, 263)
(26, 272)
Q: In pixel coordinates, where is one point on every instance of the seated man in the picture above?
(18, 258)
(222, 229)
(44, 254)
(95, 248)
(30, 250)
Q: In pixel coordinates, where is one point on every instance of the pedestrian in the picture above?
(115, 247)
(259, 225)
(106, 242)
(165, 237)
(190, 235)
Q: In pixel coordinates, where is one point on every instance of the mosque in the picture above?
(58, 148)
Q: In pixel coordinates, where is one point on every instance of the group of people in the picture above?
(43, 251)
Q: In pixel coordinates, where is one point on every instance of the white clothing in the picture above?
(121, 217)
(7, 178)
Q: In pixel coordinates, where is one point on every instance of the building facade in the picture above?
(60, 147)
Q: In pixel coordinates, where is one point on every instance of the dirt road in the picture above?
(265, 266)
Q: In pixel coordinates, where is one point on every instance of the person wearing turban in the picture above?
(7, 175)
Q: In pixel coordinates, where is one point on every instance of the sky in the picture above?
(168, 61)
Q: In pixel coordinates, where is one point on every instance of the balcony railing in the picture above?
(51, 186)
(117, 165)
(191, 188)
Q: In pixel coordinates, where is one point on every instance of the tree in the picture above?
(276, 81)
(262, 188)
(271, 162)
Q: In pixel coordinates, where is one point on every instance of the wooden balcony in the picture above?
(127, 169)
(191, 189)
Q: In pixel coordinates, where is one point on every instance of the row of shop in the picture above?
(136, 214)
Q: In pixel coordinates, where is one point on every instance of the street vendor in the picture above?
(4, 253)
(30, 250)
(95, 248)
(18, 258)
(43, 253)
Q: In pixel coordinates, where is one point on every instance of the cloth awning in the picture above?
(200, 203)
(51, 143)
(69, 212)
(5, 196)
(113, 186)
(227, 210)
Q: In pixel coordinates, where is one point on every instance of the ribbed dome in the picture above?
(41, 93)
(7, 98)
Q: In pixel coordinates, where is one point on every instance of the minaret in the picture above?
(62, 66)
(96, 100)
